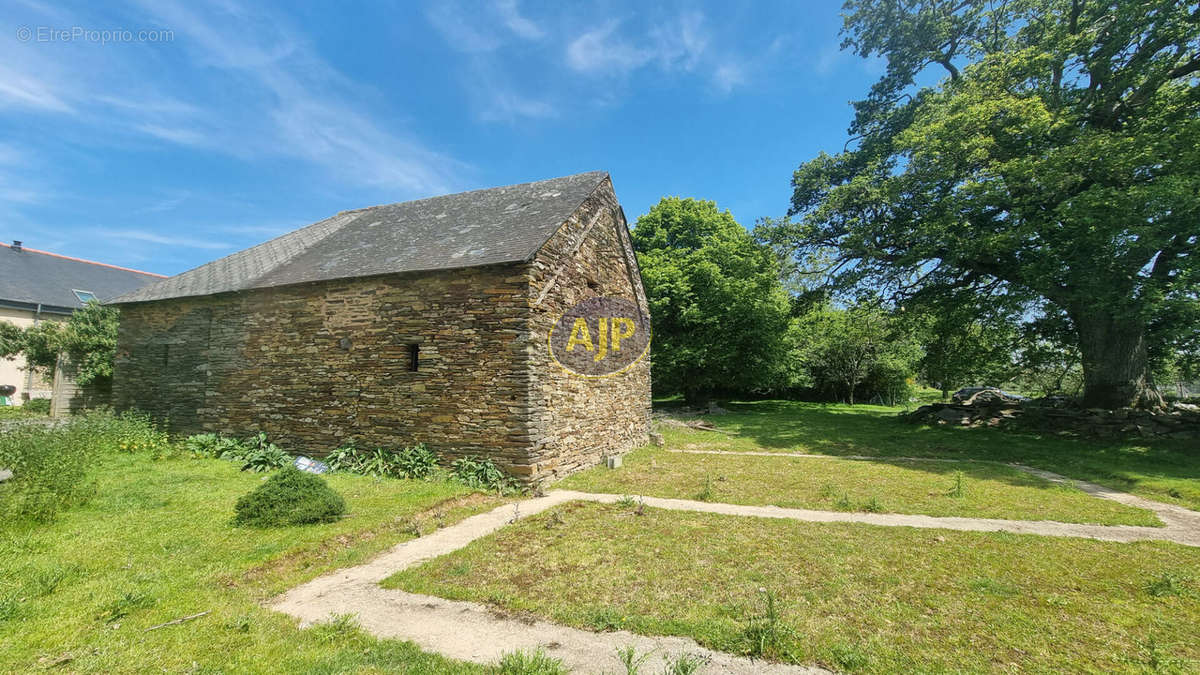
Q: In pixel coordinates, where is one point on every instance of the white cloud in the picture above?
(682, 43)
(471, 28)
(598, 51)
(508, 106)
(27, 91)
(728, 76)
(166, 239)
(518, 24)
(314, 112)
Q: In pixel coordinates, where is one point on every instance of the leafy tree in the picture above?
(720, 313)
(965, 345)
(857, 350)
(1057, 161)
(88, 338)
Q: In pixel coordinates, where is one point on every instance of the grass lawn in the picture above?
(155, 544)
(1167, 471)
(931, 488)
(853, 597)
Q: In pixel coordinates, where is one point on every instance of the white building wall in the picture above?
(13, 372)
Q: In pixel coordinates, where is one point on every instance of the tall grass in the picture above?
(51, 465)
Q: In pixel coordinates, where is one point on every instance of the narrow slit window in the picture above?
(414, 357)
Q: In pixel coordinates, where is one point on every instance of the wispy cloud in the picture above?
(600, 51)
(289, 101)
(728, 76)
(26, 91)
(518, 24)
(167, 239)
(471, 27)
(315, 113)
(678, 44)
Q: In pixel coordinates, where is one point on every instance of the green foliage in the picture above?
(856, 353)
(719, 311)
(88, 338)
(255, 453)
(289, 497)
(482, 474)
(416, 461)
(765, 635)
(530, 663)
(1056, 164)
(966, 345)
(39, 406)
(51, 465)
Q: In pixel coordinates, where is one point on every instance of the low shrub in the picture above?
(255, 453)
(37, 406)
(416, 461)
(482, 474)
(289, 497)
(50, 464)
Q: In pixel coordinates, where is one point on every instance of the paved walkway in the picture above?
(474, 632)
(1182, 524)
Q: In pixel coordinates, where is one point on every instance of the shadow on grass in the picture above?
(1159, 469)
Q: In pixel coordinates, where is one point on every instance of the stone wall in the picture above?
(577, 421)
(1178, 421)
(317, 365)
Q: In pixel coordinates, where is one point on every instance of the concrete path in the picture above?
(1182, 524)
(472, 632)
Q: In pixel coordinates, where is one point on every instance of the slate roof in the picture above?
(468, 229)
(29, 277)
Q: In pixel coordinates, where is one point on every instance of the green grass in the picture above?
(987, 490)
(1163, 470)
(156, 543)
(853, 597)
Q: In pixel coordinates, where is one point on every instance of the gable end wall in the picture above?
(577, 421)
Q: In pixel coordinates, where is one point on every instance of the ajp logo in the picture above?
(600, 337)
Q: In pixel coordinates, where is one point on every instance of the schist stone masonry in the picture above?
(421, 322)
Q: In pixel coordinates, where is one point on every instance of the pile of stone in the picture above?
(994, 409)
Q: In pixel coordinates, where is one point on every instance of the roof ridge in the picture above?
(465, 229)
(26, 249)
(467, 192)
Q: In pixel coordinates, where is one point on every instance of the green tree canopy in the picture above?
(1057, 161)
(88, 338)
(720, 313)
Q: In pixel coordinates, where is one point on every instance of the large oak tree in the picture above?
(1042, 150)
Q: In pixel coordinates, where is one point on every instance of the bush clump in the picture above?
(51, 463)
(289, 497)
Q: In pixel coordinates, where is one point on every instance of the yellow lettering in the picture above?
(579, 335)
(622, 328)
(603, 339)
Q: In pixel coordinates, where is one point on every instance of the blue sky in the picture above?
(249, 120)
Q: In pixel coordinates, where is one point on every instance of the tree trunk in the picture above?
(1113, 349)
(696, 397)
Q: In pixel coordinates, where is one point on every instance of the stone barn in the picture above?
(420, 322)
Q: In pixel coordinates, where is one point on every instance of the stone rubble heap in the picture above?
(993, 409)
